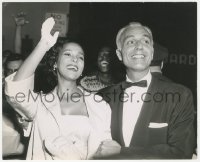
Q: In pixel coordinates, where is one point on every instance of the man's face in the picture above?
(103, 60)
(13, 66)
(136, 49)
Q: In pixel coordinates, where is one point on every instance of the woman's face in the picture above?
(70, 61)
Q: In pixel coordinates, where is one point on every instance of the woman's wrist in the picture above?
(44, 45)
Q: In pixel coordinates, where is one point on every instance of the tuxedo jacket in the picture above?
(160, 76)
(164, 129)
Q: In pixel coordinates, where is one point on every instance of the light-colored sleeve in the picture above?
(11, 144)
(27, 131)
(100, 115)
(21, 97)
(106, 121)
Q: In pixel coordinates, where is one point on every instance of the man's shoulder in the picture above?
(170, 86)
(161, 76)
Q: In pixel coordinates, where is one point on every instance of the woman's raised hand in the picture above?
(46, 36)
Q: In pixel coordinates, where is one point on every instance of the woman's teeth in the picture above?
(72, 67)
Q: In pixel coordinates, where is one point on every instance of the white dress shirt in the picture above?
(133, 100)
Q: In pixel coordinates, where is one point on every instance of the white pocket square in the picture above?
(158, 125)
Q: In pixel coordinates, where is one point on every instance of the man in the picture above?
(160, 55)
(152, 119)
(13, 146)
(13, 63)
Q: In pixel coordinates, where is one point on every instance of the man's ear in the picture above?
(152, 54)
(162, 64)
(119, 54)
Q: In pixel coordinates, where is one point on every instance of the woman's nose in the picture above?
(74, 59)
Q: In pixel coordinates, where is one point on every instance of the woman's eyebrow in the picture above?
(82, 53)
(66, 50)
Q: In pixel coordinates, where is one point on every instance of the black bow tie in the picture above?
(142, 83)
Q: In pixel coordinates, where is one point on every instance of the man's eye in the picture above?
(146, 41)
(130, 42)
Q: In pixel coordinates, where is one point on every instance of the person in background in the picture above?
(6, 53)
(103, 76)
(13, 63)
(71, 125)
(151, 118)
(20, 21)
(160, 55)
(13, 146)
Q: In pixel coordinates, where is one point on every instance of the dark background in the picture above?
(174, 25)
(94, 24)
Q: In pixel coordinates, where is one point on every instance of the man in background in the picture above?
(160, 55)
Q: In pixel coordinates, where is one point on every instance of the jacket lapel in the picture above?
(116, 119)
(140, 134)
(120, 115)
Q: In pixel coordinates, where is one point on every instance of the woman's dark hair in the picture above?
(49, 61)
(52, 55)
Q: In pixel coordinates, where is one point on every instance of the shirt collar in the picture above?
(147, 77)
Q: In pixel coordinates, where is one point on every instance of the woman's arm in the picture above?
(19, 86)
(46, 42)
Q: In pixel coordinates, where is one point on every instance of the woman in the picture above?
(67, 123)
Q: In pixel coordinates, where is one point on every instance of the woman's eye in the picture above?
(67, 54)
(82, 58)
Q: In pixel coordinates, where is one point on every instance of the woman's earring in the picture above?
(54, 67)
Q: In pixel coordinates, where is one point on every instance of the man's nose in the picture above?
(138, 44)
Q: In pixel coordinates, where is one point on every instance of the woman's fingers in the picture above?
(55, 36)
(47, 26)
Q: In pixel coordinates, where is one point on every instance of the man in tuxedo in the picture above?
(151, 118)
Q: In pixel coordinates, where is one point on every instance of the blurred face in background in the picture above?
(6, 53)
(103, 59)
(12, 66)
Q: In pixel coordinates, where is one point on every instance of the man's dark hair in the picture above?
(14, 57)
(160, 54)
(6, 53)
